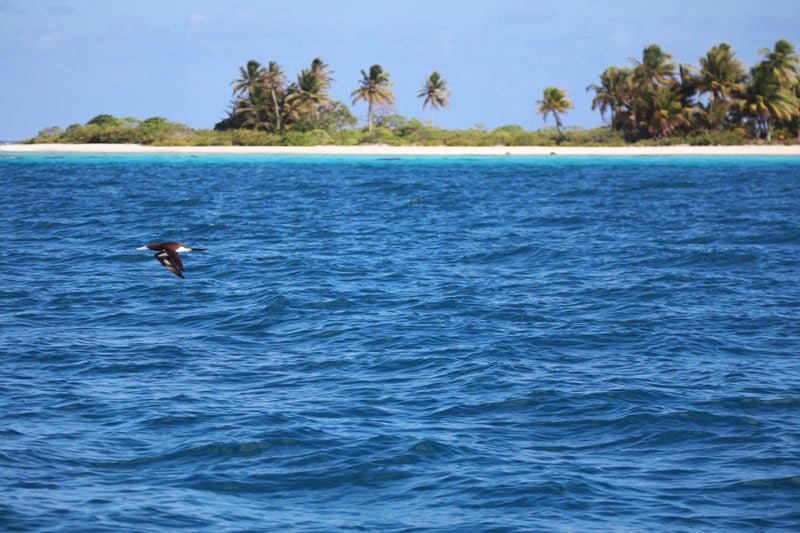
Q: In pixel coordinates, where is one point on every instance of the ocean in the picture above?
(400, 344)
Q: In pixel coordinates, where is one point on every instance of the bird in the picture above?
(167, 255)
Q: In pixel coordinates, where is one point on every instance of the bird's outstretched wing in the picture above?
(173, 256)
(165, 259)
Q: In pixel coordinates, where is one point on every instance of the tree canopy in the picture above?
(656, 99)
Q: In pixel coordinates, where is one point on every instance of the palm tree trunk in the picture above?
(430, 118)
(769, 130)
(558, 126)
(369, 117)
(277, 112)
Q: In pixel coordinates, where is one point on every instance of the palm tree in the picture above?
(717, 113)
(653, 70)
(247, 84)
(649, 78)
(274, 81)
(374, 89)
(771, 94)
(685, 90)
(722, 77)
(250, 109)
(616, 94)
(782, 62)
(784, 65)
(667, 114)
(766, 101)
(246, 114)
(612, 93)
(721, 73)
(436, 94)
(321, 71)
(307, 95)
(797, 116)
(554, 102)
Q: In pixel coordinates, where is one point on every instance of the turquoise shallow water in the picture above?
(506, 344)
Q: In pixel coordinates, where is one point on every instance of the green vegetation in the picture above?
(109, 129)
(653, 101)
(394, 130)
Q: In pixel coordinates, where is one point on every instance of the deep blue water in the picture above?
(452, 344)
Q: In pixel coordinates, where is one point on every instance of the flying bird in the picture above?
(167, 255)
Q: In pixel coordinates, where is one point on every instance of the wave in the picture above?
(415, 344)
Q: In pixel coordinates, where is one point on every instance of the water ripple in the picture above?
(396, 344)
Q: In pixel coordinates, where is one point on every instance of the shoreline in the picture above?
(386, 150)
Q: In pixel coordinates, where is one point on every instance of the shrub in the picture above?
(509, 128)
(48, 134)
(380, 135)
(254, 138)
(724, 137)
(104, 121)
(346, 137)
(307, 138)
(391, 129)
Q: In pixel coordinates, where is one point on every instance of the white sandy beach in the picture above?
(386, 150)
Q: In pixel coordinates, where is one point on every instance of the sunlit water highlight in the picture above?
(400, 343)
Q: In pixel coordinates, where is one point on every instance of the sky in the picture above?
(63, 62)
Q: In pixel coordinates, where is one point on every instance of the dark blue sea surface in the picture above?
(387, 344)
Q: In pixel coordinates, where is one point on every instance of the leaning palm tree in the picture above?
(554, 102)
(436, 94)
(374, 89)
(274, 81)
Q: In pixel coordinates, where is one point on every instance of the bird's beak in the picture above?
(142, 248)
